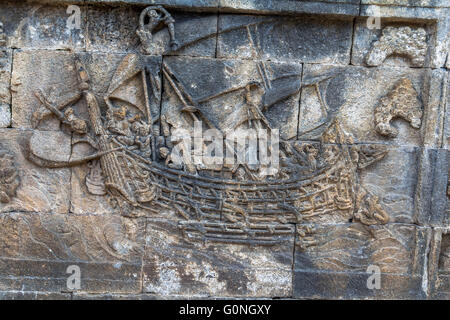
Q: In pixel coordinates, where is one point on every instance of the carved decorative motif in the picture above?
(401, 102)
(403, 41)
(9, 176)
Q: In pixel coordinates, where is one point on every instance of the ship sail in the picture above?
(129, 85)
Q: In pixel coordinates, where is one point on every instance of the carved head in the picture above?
(153, 14)
(121, 113)
(163, 152)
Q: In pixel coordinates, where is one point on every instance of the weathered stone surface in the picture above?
(446, 141)
(342, 7)
(174, 266)
(203, 5)
(414, 3)
(104, 35)
(331, 261)
(41, 189)
(37, 252)
(352, 93)
(367, 40)
(435, 101)
(431, 187)
(41, 26)
(5, 81)
(443, 278)
(218, 87)
(394, 181)
(19, 295)
(36, 70)
(265, 37)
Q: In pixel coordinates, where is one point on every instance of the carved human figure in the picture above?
(142, 137)
(119, 124)
(76, 124)
(156, 16)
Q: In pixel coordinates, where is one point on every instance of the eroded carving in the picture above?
(150, 19)
(402, 41)
(9, 176)
(401, 102)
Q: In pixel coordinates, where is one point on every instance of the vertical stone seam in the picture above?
(300, 100)
(13, 52)
(353, 41)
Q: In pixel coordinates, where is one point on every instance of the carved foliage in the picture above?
(403, 41)
(401, 102)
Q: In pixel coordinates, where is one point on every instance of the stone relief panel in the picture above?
(97, 168)
(40, 189)
(331, 260)
(126, 35)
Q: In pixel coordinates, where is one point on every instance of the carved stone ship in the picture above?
(315, 182)
(241, 211)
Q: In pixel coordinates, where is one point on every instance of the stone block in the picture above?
(173, 265)
(340, 261)
(114, 29)
(309, 39)
(354, 96)
(218, 87)
(40, 189)
(43, 26)
(39, 248)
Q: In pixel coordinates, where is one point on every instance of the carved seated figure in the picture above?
(119, 125)
(142, 137)
(76, 124)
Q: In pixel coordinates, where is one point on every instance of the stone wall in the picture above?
(357, 89)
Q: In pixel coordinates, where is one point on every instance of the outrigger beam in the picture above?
(70, 163)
